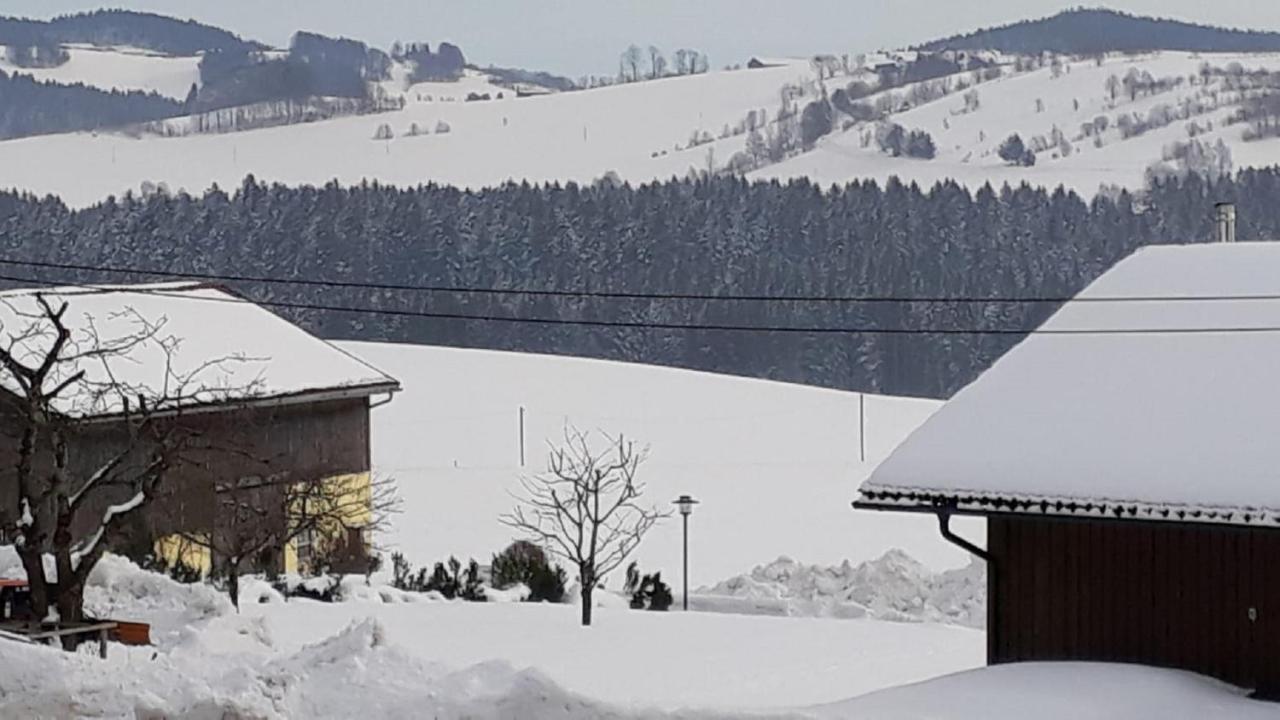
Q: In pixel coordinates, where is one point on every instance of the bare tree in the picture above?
(58, 385)
(1113, 86)
(657, 63)
(630, 63)
(586, 508)
(259, 516)
(684, 61)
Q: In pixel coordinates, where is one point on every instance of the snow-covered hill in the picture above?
(1035, 102)
(632, 129)
(119, 68)
(645, 131)
(775, 466)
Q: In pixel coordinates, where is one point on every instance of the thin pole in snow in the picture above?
(686, 562)
(521, 436)
(862, 426)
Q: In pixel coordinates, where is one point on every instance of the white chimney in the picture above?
(1226, 222)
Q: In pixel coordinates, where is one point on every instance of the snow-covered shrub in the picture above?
(1193, 157)
(919, 144)
(815, 121)
(1015, 152)
(523, 563)
(472, 586)
(442, 127)
(384, 132)
(649, 592)
(323, 588)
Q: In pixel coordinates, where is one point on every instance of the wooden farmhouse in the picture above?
(269, 406)
(1126, 460)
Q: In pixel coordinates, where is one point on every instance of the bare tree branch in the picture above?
(584, 508)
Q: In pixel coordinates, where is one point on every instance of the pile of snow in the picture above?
(1058, 691)
(118, 589)
(892, 587)
(356, 673)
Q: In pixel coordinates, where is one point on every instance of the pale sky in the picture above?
(575, 37)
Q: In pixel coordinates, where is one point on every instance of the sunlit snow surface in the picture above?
(775, 466)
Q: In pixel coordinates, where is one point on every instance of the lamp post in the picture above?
(686, 503)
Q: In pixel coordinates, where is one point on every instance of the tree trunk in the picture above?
(233, 583)
(71, 610)
(33, 564)
(587, 591)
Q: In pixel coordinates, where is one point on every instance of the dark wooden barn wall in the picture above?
(302, 441)
(1154, 593)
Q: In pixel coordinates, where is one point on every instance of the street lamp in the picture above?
(686, 503)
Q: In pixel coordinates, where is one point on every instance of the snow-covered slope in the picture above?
(1058, 691)
(631, 129)
(642, 131)
(776, 466)
(120, 68)
(967, 141)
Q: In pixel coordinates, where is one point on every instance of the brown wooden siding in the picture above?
(1160, 594)
(302, 441)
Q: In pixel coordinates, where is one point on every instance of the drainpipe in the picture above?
(944, 526)
(993, 619)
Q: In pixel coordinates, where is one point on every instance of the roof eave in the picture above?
(888, 499)
(388, 387)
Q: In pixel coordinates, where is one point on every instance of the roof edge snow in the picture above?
(875, 496)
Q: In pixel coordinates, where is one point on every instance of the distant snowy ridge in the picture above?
(892, 587)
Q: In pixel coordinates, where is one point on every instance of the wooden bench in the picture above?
(15, 612)
(41, 632)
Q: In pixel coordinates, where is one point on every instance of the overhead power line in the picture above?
(649, 325)
(620, 295)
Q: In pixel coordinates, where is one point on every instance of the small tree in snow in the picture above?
(256, 516)
(60, 381)
(586, 508)
(1015, 152)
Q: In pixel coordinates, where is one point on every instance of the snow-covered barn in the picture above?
(269, 403)
(1125, 457)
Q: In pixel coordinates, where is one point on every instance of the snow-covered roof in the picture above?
(1151, 424)
(220, 346)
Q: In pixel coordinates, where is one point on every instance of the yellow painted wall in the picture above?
(173, 548)
(355, 497)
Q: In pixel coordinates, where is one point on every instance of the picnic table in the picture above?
(17, 621)
(52, 632)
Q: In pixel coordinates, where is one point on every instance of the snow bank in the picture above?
(119, 589)
(892, 587)
(355, 673)
(1057, 691)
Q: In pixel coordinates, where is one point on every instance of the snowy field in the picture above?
(566, 136)
(776, 466)
(504, 661)
(967, 142)
(451, 439)
(120, 68)
(639, 658)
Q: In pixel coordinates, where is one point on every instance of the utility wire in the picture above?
(622, 295)
(646, 325)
